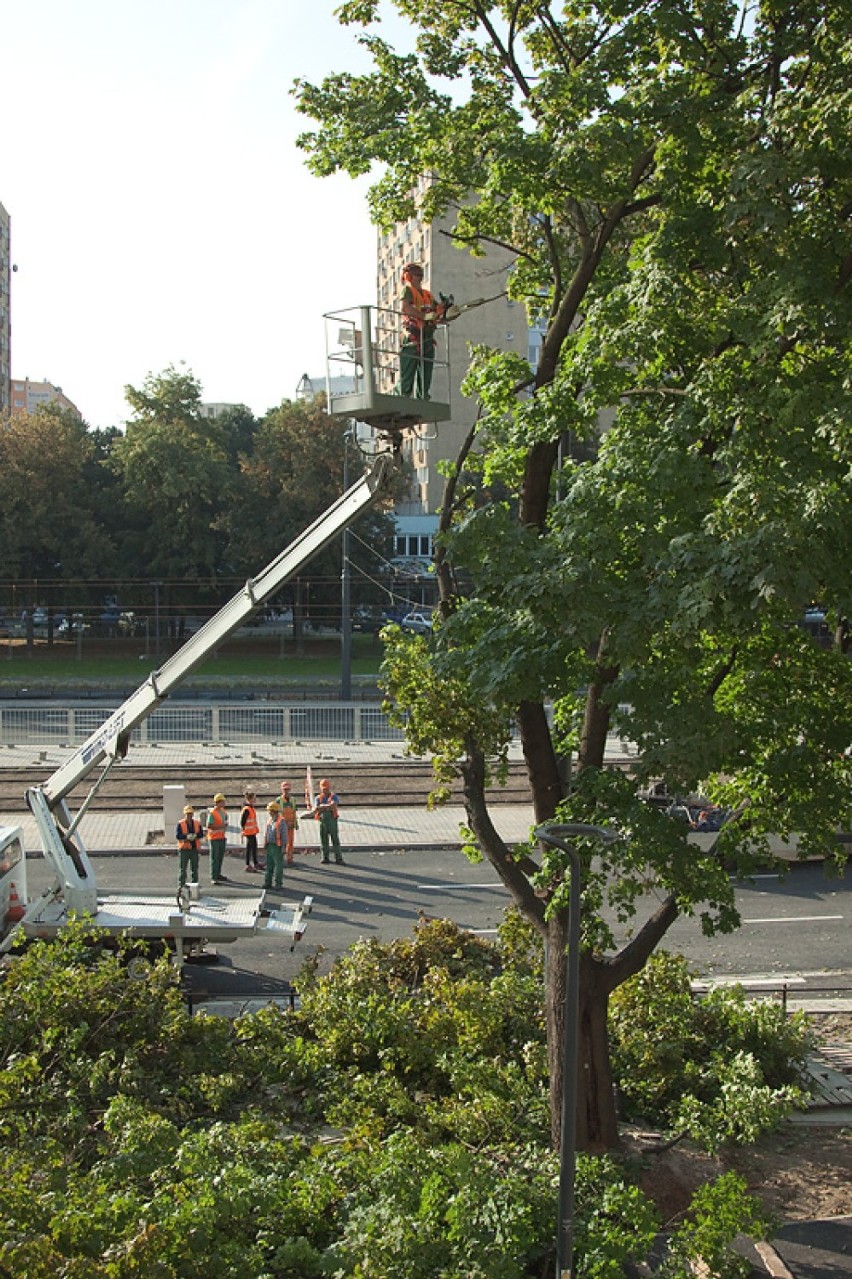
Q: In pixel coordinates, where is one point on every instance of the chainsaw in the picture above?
(449, 309)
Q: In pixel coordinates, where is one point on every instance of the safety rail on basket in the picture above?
(363, 350)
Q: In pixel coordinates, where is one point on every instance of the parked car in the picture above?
(129, 624)
(816, 625)
(394, 615)
(40, 620)
(367, 618)
(76, 624)
(418, 623)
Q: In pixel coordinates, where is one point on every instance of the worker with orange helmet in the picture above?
(326, 811)
(420, 314)
(288, 811)
(274, 840)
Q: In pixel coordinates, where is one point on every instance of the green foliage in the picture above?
(718, 1068)
(431, 1029)
(719, 1212)
(442, 715)
(77, 1028)
(395, 1125)
(424, 1210)
(175, 495)
(49, 522)
(645, 515)
(609, 1202)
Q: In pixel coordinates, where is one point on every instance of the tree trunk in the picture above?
(597, 1117)
(540, 759)
(597, 714)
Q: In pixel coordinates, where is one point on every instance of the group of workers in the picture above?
(279, 833)
(421, 314)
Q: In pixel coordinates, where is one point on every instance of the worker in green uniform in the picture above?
(326, 810)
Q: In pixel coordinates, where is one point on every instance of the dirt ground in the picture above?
(802, 1171)
(798, 1173)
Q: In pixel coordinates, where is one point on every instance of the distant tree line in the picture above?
(191, 502)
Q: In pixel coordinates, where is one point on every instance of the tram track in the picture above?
(392, 783)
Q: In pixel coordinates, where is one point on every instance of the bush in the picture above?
(719, 1069)
(411, 1142)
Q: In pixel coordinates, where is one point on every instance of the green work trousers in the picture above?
(217, 857)
(416, 361)
(188, 861)
(274, 866)
(329, 837)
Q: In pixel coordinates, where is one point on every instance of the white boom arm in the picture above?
(59, 838)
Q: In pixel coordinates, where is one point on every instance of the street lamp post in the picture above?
(156, 586)
(556, 834)
(345, 592)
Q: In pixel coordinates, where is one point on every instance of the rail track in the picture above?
(360, 785)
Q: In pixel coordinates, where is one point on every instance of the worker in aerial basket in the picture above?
(420, 315)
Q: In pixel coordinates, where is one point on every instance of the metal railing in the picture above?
(50, 725)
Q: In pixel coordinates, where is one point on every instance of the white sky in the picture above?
(160, 210)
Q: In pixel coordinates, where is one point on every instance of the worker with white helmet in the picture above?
(189, 833)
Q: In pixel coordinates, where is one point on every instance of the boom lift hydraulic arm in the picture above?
(58, 833)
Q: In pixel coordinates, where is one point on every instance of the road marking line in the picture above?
(791, 919)
(440, 888)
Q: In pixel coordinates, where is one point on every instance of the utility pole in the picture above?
(563, 837)
(345, 590)
(156, 586)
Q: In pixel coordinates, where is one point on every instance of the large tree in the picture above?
(178, 480)
(675, 182)
(294, 472)
(48, 498)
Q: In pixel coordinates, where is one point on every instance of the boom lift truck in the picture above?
(183, 923)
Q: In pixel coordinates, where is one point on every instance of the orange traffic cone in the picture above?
(16, 908)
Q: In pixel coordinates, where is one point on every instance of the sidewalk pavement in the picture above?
(366, 828)
(104, 834)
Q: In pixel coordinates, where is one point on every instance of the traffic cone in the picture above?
(16, 908)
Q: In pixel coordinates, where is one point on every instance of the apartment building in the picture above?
(27, 396)
(498, 323)
(5, 313)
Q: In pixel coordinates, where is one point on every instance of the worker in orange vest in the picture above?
(327, 813)
(217, 837)
(189, 833)
(250, 829)
(417, 353)
(275, 839)
(288, 811)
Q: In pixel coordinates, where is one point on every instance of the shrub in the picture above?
(720, 1069)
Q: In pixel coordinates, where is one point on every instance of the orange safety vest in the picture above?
(250, 826)
(217, 824)
(423, 299)
(190, 833)
(288, 810)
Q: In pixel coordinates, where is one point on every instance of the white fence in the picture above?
(49, 724)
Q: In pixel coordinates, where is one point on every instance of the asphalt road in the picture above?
(800, 925)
